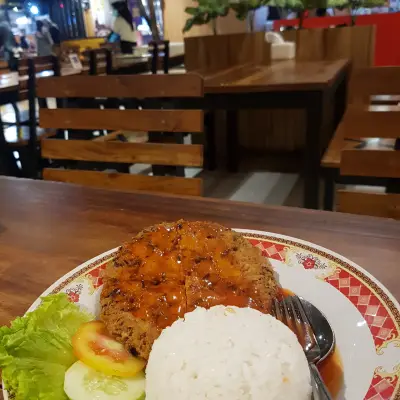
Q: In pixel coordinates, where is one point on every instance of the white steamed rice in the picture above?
(227, 353)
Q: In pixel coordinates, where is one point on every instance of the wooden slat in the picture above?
(126, 182)
(137, 120)
(134, 137)
(339, 143)
(310, 45)
(380, 99)
(125, 86)
(333, 153)
(39, 60)
(368, 123)
(385, 205)
(373, 163)
(146, 153)
(338, 43)
(375, 80)
(362, 45)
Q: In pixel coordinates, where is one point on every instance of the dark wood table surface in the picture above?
(47, 229)
(286, 75)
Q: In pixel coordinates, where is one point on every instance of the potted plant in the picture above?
(246, 9)
(207, 11)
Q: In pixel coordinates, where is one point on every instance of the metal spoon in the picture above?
(324, 336)
(322, 330)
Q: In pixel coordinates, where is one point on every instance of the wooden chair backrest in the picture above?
(373, 81)
(373, 122)
(149, 120)
(42, 63)
(212, 53)
(98, 61)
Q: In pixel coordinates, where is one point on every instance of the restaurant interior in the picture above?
(267, 117)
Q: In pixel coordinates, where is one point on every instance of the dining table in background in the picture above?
(135, 63)
(48, 228)
(318, 87)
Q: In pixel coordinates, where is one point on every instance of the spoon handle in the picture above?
(320, 391)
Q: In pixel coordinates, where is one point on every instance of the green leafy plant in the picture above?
(246, 8)
(207, 11)
(302, 5)
(356, 4)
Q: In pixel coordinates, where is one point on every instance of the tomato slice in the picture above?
(96, 348)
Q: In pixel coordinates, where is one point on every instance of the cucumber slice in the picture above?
(84, 383)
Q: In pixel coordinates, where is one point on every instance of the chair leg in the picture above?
(393, 185)
(232, 141)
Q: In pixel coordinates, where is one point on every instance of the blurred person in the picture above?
(54, 31)
(123, 26)
(44, 42)
(8, 42)
(23, 41)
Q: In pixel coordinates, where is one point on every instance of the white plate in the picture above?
(364, 315)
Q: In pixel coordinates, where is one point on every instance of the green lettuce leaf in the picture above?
(36, 350)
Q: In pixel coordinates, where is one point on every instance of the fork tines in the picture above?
(290, 311)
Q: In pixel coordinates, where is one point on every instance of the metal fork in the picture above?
(290, 311)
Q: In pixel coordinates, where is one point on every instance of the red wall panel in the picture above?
(387, 41)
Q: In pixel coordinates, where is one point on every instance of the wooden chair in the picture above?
(155, 48)
(360, 122)
(23, 137)
(372, 163)
(151, 88)
(98, 61)
(47, 63)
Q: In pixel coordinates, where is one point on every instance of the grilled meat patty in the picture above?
(170, 269)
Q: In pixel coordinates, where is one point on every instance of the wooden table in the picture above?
(318, 87)
(47, 229)
(313, 86)
(133, 64)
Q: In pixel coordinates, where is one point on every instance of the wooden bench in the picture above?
(113, 151)
(365, 144)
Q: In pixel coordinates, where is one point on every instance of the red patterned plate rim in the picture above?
(379, 290)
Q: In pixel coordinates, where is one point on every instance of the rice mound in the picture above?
(227, 353)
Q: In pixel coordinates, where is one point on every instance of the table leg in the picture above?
(394, 183)
(232, 141)
(329, 189)
(313, 149)
(210, 151)
(340, 101)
